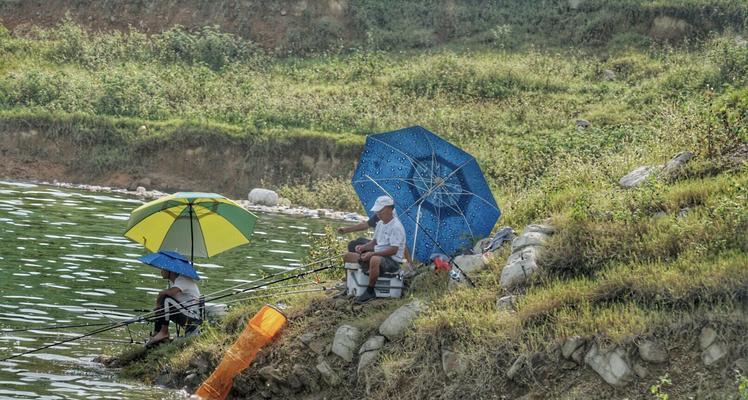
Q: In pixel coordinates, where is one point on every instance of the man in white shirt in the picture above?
(385, 252)
(182, 290)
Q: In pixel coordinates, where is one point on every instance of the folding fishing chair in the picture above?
(193, 316)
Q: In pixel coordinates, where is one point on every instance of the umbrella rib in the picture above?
(476, 196)
(414, 163)
(459, 211)
(433, 159)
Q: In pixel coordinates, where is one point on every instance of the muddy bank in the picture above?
(184, 158)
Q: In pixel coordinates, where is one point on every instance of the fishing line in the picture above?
(157, 314)
(322, 289)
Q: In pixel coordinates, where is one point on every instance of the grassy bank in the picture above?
(659, 260)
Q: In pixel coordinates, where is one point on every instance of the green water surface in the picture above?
(63, 261)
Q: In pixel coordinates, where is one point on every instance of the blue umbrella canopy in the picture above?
(171, 261)
(440, 193)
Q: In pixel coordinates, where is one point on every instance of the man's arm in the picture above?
(361, 226)
(387, 251)
(366, 247)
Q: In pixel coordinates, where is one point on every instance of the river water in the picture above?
(63, 261)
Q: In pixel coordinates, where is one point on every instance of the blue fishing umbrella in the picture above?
(171, 261)
(440, 193)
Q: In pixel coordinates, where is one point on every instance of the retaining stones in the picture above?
(396, 324)
(611, 366)
(346, 342)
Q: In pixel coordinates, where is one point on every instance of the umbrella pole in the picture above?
(192, 240)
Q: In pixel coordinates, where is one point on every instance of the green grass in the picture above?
(625, 263)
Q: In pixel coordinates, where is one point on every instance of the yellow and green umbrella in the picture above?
(198, 224)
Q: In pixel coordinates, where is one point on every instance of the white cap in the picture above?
(382, 202)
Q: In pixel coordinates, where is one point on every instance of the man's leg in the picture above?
(374, 263)
(161, 327)
(370, 294)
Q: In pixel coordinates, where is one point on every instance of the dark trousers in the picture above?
(174, 315)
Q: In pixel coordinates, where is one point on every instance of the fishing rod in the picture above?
(49, 327)
(155, 314)
(88, 334)
(307, 265)
(294, 292)
(451, 260)
(323, 287)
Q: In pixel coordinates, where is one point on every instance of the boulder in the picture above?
(609, 75)
(715, 352)
(528, 239)
(263, 197)
(571, 345)
(453, 364)
(652, 352)
(583, 123)
(346, 342)
(369, 351)
(611, 366)
(637, 176)
(707, 337)
(541, 228)
(674, 167)
(516, 367)
(526, 253)
(517, 272)
(480, 245)
(328, 374)
(396, 324)
(471, 262)
(506, 303)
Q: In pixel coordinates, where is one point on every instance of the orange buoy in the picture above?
(259, 331)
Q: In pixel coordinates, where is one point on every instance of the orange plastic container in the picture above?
(259, 331)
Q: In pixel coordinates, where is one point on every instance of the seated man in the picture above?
(372, 223)
(385, 252)
(181, 298)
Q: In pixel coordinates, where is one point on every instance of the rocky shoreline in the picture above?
(283, 207)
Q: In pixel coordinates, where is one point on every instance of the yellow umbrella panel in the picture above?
(198, 224)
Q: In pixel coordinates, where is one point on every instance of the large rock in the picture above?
(611, 366)
(263, 197)
(369, 351)
(541, 228)
(674, 167)
(571, 345)
(526, 253)
(707, 337)
(345, 343)
(506, 303)
(652, 352)
(517, 272)
(453, 364)
(328, 374)
(471, 262)
(714, 353)
(637, 176)
(396, 324)
(528, 239)
(516, 367)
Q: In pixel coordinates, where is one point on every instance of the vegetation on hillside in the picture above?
(625, 263)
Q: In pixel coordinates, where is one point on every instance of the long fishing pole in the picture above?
(48, 327)
(451, 261)
(149, 316)
(94, 332)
